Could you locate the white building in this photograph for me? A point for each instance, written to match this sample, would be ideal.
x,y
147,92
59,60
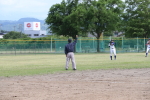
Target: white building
x,y
1,35
33,30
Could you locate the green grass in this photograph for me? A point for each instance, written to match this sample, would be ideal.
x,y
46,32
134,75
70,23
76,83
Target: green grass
x,y
22,65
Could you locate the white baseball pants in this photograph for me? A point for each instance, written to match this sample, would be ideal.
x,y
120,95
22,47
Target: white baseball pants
x,y
112,51
148,48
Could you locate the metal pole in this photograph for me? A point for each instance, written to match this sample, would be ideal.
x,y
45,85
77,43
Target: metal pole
x,y
14,28
0,27
110,38
93,43
51,44
80,45
35,47
122,42
15,48
137,44
20,27
144,43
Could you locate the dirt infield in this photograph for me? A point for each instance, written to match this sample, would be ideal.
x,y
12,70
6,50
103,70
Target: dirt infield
x,y
132,84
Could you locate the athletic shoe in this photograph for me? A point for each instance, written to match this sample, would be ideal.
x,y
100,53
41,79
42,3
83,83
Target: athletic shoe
x,y
66,68
74,69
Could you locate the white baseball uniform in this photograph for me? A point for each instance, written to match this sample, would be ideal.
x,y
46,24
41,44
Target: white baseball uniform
x,y
112,49
148,48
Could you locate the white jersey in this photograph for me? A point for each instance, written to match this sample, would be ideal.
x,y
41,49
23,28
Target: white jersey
x,y
111,45
148,44
148,47
112,48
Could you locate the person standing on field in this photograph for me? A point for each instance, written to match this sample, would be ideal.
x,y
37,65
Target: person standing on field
x,y
112,49
148,47
69,51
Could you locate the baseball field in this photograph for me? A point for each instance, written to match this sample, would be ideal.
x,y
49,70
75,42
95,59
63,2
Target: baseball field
x,y
43,77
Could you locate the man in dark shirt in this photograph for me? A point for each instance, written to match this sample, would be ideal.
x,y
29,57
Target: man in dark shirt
x,y
69,51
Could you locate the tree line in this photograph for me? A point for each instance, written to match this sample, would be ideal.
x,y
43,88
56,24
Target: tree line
x,y
72,17
98,17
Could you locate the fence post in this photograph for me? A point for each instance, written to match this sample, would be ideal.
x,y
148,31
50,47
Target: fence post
x,y
122,42
15,48
51,44
93,43
144,43
35,47
80,45
110,38
137,45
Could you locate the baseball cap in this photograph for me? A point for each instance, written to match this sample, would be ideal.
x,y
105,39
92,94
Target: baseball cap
x,y
69,40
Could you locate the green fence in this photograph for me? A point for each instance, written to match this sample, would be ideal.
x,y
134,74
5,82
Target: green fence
x,y
82,46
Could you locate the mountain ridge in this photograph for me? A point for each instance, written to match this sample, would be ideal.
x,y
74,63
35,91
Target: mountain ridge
x,y
21,20
8,25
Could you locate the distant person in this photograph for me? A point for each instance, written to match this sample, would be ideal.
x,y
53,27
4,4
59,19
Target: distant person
x,y
112,49
69,51
148,47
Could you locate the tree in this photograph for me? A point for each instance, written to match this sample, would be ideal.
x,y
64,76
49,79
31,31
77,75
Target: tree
x,y
136,18
14,35
62,18
102,16
90,16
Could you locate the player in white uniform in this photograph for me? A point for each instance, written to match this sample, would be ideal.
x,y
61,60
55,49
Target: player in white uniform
x,y
112,49
148,47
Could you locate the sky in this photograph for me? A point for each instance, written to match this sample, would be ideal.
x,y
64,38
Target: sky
x,y
16,9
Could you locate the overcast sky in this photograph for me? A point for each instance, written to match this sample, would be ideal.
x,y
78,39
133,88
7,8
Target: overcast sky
x,y
16,9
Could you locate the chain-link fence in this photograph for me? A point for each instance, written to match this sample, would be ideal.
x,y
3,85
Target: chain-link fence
x,y
82,46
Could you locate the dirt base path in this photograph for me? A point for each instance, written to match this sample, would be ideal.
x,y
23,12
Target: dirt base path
x,y
133,84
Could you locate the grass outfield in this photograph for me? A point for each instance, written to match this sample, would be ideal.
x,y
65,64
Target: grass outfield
x,y
22,65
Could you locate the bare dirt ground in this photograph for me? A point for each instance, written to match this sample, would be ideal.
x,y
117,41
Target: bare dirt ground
x,y
131,84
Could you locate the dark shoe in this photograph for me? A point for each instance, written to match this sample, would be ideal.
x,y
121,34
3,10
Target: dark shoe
x,y
74,69
115,57
66,68
145,56
110,57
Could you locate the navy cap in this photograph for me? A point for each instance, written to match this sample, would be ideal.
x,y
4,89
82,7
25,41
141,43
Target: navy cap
x,y
69,40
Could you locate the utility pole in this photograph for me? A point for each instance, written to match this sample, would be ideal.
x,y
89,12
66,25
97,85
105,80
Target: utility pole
x,y
14,28
20,27
0,27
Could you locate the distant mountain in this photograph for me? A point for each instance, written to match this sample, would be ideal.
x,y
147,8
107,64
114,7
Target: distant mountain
x,y
30,20
9,25
21,20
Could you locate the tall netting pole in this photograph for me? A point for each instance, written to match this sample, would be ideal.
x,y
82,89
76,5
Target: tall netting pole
x,y
80,45
51,44
137,44
93,43
122,42
110,38
144,43
15,47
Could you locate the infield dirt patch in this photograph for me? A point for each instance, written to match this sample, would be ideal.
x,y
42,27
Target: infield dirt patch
x,y
131,84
